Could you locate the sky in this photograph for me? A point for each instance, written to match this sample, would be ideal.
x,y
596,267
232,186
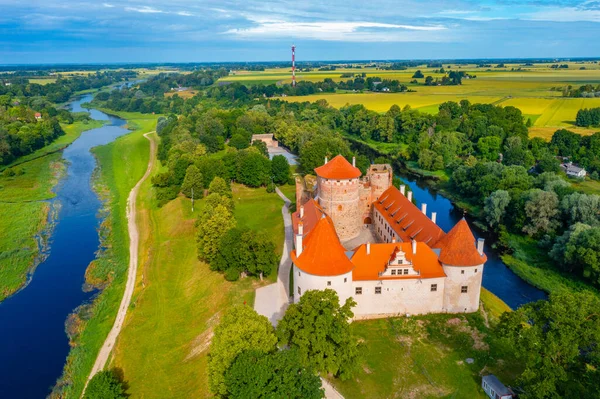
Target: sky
x,y
110,31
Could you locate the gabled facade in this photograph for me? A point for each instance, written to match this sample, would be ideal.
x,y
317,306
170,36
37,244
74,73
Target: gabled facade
x,y
416,268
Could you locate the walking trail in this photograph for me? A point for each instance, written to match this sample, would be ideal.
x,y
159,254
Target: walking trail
x,y
132,271
273,300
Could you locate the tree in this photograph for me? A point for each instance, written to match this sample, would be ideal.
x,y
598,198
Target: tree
x,y
105,385
318,327
418,74
253,169
262,147
239,330
541,210
495,206
489,147
578,251
516,154
256,374
212,224
258,253
192,181
280,169
558,341
580,207
314,151
239,141
220,186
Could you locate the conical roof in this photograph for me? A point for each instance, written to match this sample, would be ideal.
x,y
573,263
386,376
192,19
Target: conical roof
x,y
323,254
338,168
457,248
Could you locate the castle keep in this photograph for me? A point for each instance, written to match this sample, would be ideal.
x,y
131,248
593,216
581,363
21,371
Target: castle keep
x,y
409,266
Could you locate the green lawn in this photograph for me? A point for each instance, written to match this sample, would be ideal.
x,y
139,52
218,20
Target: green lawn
x,y
289,190
178,299
588,186
121,164
424,356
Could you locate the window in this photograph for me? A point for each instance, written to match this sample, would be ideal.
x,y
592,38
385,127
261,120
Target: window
x,y
464,289
299,291
339,208
433,287
378,290
393,272
329,283
475,270
298,274
405,271
462,272
345,279
358,290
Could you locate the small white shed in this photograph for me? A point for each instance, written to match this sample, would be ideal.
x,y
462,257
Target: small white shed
x,y
495,389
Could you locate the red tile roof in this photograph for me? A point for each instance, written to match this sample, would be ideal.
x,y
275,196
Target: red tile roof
x,y
406,219
368,267
338,168
312,213
458,248
322,254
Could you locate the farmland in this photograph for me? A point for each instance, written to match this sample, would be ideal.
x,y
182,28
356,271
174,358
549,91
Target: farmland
x,y
534,89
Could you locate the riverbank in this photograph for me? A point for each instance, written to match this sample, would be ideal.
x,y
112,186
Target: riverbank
x,y
120,165
522,254
27,187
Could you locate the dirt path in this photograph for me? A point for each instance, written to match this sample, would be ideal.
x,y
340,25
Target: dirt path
x,y
132,271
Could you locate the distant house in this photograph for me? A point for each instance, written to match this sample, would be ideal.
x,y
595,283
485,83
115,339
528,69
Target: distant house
x,y
7,84
495,389
386,89
573,170
266,138
38,116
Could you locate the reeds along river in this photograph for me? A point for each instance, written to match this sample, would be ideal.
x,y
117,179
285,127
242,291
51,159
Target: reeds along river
x,y
33,342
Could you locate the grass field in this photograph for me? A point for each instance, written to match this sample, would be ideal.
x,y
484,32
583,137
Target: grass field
x,y
121,164
177,301
424,356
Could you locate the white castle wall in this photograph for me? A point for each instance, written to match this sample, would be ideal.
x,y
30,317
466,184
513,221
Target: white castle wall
x,y
398,297
456,301
303,282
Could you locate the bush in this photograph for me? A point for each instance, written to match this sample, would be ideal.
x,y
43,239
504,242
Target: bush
x,y
105,385
232,274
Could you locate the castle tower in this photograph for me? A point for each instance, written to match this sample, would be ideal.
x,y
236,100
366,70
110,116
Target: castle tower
x,y
380,177
462,261
338,194
320,261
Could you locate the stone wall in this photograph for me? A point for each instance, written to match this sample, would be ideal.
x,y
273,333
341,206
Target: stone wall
x,y
340,199
456,301
398,297
380,177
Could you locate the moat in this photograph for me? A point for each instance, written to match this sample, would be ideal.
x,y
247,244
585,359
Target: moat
x,y
32,322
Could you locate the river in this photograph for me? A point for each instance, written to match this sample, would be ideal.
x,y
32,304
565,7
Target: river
x,y
34,344
497,277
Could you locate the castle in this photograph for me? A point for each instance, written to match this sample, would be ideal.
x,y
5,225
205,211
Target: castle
x,y
406,265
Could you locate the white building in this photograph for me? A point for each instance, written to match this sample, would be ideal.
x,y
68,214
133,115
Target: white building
x,y
415,269
573,170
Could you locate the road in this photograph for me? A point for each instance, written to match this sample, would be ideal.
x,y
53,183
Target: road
x,y
109,343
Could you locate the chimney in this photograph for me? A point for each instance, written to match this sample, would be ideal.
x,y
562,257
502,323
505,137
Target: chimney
x,y
354,161
409,196
394,239
414,247
301,211
325,159
480,242
368,248
299,239
434,217
424,209
402,189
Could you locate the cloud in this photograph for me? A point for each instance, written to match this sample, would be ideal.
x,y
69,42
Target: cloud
x,y
144,10
565,14
334,30
108,5
184,13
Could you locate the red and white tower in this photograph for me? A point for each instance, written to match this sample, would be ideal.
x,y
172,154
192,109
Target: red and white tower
x,y
293,66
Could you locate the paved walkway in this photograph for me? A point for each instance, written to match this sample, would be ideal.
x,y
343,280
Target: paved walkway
x,y
272,300
109,343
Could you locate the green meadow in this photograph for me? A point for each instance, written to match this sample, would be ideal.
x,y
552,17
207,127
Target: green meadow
x,y
24,207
